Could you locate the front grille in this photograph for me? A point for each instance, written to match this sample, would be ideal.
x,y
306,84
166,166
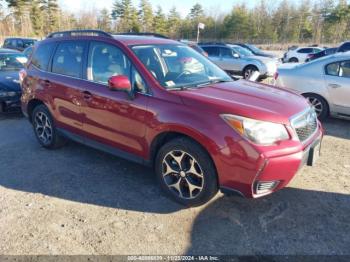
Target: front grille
x,y
305,124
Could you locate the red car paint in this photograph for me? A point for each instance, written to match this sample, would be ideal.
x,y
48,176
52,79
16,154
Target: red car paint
x,y
133,126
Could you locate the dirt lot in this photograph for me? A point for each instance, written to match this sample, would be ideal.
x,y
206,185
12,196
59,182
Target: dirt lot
x,y
77,200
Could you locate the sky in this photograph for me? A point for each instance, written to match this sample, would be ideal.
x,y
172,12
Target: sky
x,y
183,6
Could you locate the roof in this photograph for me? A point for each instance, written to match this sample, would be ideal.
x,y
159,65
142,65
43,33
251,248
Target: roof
x,y
7,51
142,40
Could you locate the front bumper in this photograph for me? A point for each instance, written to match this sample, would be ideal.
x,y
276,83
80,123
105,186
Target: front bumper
x,y
242,169
12,103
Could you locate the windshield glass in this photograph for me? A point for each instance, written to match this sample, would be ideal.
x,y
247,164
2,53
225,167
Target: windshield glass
x,y
179,66
254,48
9,62
242,51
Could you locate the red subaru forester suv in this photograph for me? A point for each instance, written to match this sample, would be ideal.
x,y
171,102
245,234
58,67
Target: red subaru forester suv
x,y
158,102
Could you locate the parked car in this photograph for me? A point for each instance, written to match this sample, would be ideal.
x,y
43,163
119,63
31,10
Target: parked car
x,y
11,62
255,50
18,43
28,51
325,82
325,52
344,47
160,103
300,54
237,60
195,46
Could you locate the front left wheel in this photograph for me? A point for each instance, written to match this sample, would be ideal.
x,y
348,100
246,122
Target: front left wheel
x,y
186,172
249,71
44,128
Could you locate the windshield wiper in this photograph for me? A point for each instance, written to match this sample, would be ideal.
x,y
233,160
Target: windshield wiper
x,y
213,82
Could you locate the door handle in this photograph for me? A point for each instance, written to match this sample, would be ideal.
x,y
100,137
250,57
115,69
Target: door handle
x,y
334,85
87,95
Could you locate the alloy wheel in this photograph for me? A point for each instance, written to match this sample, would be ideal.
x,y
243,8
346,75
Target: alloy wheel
x,y
316,104
43,127
182,174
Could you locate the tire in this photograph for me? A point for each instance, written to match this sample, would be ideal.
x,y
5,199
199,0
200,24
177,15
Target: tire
x,y
249,70
320,105
186,173
45,130
293,60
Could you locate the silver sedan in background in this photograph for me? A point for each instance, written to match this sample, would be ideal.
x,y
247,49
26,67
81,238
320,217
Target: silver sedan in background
x,y
325,82
237,60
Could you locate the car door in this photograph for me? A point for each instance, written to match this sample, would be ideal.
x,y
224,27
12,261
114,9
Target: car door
x,y
65,84
228,61
337,77
113,119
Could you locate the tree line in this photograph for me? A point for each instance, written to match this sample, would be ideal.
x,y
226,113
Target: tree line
x,y
318,21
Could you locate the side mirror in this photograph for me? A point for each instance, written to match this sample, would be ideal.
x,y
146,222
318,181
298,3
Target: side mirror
x,y
119,83
236,55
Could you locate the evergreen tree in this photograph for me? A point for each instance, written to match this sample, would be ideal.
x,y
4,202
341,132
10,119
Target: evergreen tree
x,y
104,20
146,16
160,21
173,23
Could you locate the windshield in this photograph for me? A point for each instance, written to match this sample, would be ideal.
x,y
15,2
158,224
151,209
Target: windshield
x,y
242,51
11,62
179,66
254,48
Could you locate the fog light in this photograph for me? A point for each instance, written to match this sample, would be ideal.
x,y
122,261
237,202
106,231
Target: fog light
x,y
263,187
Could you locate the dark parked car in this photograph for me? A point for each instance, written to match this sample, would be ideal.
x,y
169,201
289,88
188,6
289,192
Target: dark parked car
x,y
159,102
326,52
18,43
11,62
344,47
255,50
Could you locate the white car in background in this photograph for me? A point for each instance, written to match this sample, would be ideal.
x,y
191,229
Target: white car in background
x,y
325,82
300,54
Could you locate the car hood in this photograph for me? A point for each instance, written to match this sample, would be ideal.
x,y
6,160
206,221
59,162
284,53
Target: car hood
x,y
262,59
9,81
248,99
265,55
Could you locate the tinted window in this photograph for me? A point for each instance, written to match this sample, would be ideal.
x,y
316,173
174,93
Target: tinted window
x,y
305,50
211,50
20,43
68,59
226,52
344,70
332,69
42,55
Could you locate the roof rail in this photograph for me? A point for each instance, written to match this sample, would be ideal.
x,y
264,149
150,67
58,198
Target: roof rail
x,y
79,33
144,34
213,43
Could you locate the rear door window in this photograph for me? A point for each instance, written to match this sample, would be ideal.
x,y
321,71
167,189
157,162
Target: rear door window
x,y
68,59
42,55
305,50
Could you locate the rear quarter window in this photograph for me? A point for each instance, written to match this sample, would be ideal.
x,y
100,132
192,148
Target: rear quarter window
x,y
42,55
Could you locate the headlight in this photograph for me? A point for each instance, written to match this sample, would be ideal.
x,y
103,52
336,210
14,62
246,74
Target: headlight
x,y
258,132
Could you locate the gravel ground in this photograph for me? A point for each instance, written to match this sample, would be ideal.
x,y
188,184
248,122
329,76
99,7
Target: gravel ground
x,y
77,200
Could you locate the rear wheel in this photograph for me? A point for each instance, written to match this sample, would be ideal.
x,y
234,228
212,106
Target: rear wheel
x,y
249,71
186,172
319,104
293,60
44,128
